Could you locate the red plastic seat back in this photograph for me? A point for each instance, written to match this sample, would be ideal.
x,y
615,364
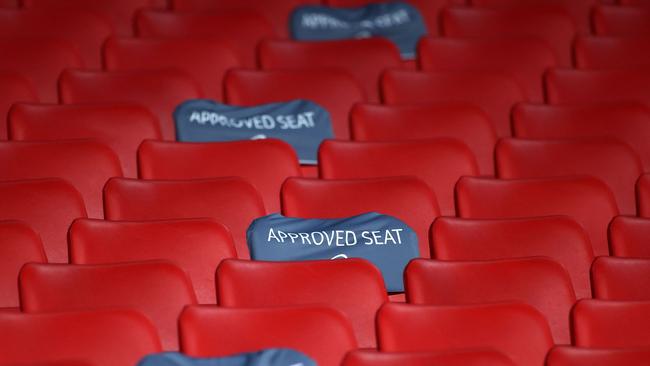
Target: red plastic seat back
x,y
277,12
612,53
525,59
365,59
245,29
587,200
556,237
321,333
494,93
611,161
158,290
48,206
119,12
628,237
449,358
574,356
466,123
579,10
159,90
429,9
621,21
539,282
86,164
19,244
232,202
14,88
553,26
352,286
611,324
264,163
40,62
122,127
406,198
524,337
627,122
601,86
85,31
197,246
99,338
334,90
623,279
437,162
206,61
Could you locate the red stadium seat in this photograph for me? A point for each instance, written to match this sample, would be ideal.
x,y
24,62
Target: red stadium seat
x,y
574,356
611,324
437,162
232,202
158,290
623,279
321,333
612,53
264,163
48,206
277,12
334,90
364,59
240,29
611,161
493,92
407,198
40,62
557,237
643,195
540,282
449,358
119,12
122,127
98,338
14,88
587,200
160,91
465,123
85,31
352,286
580,10
522,58
628,122
84,163
206,61
553,26
628,237
601,86
429,9
621,21
197,246
516,330
19,244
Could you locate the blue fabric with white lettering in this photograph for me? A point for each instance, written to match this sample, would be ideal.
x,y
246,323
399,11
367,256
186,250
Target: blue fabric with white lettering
x,y
301,123
269,357
400,22
383,240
